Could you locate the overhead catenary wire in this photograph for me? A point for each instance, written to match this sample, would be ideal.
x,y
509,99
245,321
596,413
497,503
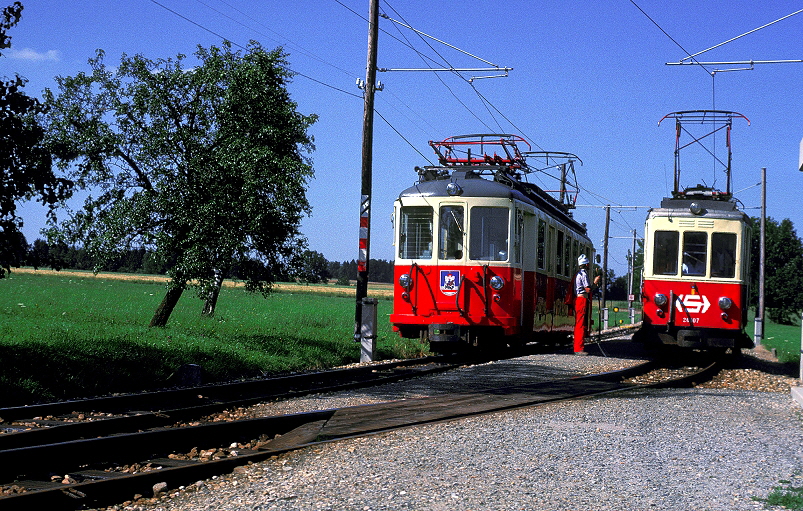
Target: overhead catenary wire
x,y
490,108
493,111
234,43
444,60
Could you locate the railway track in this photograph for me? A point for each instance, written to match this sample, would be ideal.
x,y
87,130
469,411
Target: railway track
x,y
75,419
85,418
93,472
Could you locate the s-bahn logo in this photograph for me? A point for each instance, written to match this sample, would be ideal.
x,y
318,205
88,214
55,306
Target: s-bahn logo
x,y
450,282
694,304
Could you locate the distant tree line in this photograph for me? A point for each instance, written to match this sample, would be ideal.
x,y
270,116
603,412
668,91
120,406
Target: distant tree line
x,y
311,268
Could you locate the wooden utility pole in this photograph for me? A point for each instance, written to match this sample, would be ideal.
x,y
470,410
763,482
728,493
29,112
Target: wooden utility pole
x,y
369,88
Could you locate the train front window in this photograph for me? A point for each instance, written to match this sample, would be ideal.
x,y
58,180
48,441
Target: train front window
x,y
665,255
695,253
450,239
723,255
415,232
488,237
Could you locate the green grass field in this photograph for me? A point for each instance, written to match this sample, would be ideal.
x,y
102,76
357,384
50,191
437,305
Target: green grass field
x,y
65,336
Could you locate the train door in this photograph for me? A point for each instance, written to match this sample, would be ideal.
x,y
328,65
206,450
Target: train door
x,y
528,244
541,262
552,261
451,251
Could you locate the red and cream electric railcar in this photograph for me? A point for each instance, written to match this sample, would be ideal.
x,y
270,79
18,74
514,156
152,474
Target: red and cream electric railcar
x,y
697,260
484,258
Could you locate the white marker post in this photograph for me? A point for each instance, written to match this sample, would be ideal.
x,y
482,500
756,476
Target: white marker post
x,y
368,330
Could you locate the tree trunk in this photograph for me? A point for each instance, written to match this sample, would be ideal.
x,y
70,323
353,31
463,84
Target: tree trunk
x,y
165,308
211,297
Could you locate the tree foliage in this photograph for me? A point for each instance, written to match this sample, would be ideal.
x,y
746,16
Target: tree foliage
x,y
312,268
25,166
203,165
783,269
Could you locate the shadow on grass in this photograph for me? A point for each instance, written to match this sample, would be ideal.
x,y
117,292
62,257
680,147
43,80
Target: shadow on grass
x,y
69,369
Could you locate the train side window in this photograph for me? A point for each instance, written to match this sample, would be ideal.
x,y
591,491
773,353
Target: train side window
x,y
488,239
665,253
415,233
541,256
550,248
723,255
450,239
519,236
567,261
695,252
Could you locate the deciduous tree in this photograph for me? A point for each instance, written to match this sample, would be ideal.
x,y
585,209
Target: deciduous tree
x,y
25,166
783,269
203,165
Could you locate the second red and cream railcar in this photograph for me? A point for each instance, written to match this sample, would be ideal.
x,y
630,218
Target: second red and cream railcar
x,y
695,292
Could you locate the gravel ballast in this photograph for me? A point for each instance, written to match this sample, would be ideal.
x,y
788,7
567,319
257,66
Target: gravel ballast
x,y
673,449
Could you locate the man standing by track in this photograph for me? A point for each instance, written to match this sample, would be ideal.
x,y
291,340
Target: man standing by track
x,y
582,304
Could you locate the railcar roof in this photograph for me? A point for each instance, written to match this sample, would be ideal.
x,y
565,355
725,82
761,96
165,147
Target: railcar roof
x,y
473,184
710,208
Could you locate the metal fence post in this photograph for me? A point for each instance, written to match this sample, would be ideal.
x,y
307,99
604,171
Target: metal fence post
x,y
368,330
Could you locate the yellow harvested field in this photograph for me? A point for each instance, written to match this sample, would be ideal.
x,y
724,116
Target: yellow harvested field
x,y
378,290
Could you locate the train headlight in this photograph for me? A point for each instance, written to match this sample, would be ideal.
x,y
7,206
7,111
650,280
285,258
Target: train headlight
x,y
497,282
660,299
406,281
725,303
454,189
695,208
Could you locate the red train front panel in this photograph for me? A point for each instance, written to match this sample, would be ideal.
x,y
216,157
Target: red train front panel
x,y
687,304
504,298
489,296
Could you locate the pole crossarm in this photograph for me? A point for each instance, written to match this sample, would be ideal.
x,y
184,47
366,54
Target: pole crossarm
x,y
437,40
452,69
734,62
691,57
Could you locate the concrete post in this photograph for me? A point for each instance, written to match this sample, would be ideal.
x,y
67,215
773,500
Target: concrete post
x,y
605,318
758,330
368,330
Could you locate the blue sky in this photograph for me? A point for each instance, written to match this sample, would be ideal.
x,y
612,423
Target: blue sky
x,y
588,78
